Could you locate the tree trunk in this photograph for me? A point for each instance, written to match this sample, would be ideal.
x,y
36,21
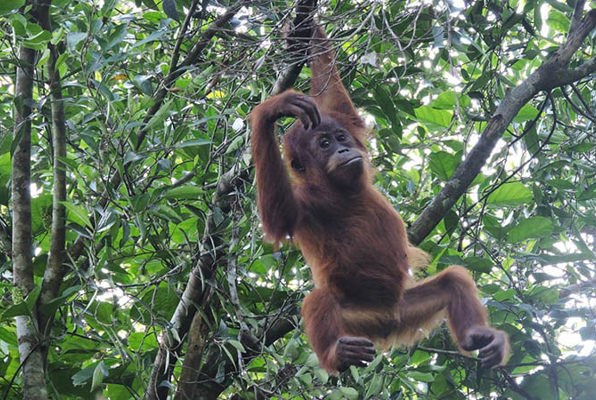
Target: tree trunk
x,y
30,351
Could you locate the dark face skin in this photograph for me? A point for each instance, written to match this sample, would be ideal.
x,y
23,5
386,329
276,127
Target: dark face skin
x,y
334,148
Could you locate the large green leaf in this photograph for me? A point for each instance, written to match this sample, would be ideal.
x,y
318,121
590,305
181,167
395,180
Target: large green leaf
x,y
533,227
510,194
434,117
7,6
443,164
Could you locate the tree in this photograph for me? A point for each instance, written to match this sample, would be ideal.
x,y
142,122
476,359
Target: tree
x,y
132,263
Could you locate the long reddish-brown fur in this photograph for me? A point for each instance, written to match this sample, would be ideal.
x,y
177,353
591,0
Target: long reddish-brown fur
x,y
353,239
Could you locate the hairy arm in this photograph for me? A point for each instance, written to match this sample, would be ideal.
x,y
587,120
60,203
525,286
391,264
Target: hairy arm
x,y
276,202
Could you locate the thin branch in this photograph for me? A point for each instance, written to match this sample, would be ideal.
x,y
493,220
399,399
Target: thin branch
x,y
181,35
577,15
516,388
5,238
574,289
587,112
193,57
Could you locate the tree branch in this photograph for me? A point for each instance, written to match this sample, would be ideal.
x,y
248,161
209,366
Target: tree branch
x,y
573,289
30,354
298,39
194,293
193,57
78,247
197,288
5,238
552,73
56,268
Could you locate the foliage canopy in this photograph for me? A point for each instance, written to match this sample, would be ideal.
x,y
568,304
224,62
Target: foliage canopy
x,y
159,193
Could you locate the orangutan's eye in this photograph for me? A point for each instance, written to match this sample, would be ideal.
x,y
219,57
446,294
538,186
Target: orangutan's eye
x,y
324,143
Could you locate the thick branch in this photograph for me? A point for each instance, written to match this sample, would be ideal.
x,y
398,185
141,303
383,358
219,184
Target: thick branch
x,y
209,388
287,78
188,380
195,291
56,268
298,40
552,73
30,353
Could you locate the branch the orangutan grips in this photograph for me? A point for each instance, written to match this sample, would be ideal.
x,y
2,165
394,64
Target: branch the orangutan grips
x,y
350,235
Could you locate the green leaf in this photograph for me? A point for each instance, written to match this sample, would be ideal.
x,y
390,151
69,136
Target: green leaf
x,y
561,184
348,393
406,106
510,194
15,311
131,156
546,295
19,24
431,116
167,212
539,385
39,41
116,37
527,113
386,103
154,36
449,99
193,143
143,83
103,312
186,192
421,376
99,373
78,214
83,376
41,212
141,341
588,194
53,305
237,345
504,295
443,164
161,301
108,7
565,258
533,227
479,264
169,7
583,147
451,221
160,115
8,335
7,6
32,297
5,171
558,21
73,39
